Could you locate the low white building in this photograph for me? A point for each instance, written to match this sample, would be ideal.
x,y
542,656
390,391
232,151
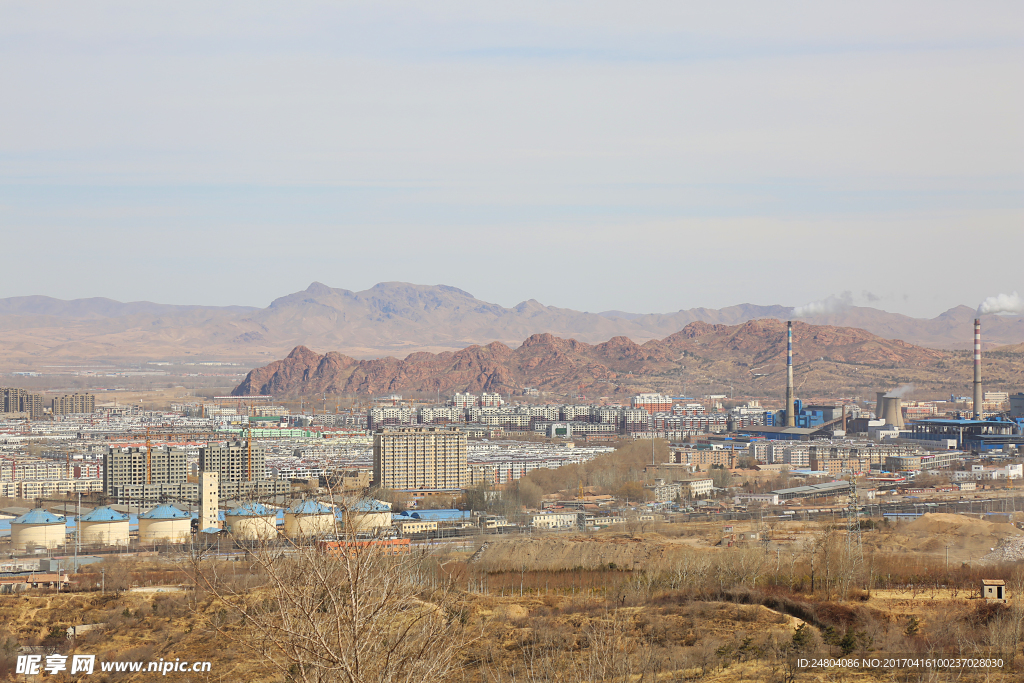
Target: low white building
x,y
983,473
766,498
665,492
553,520
698,488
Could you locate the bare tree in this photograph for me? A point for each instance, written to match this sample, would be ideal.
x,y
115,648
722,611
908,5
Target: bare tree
x,y
341,610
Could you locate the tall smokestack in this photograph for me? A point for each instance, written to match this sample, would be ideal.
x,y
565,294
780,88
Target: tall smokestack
x,y
790,408
977,369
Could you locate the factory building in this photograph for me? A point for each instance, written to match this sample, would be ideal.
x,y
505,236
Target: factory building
x,y
970,435
1017,405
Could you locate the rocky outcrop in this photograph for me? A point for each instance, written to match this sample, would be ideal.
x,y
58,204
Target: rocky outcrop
x,y
617,365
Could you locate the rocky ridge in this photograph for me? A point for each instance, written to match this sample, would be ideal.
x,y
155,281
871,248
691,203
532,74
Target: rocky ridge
x,y
749,357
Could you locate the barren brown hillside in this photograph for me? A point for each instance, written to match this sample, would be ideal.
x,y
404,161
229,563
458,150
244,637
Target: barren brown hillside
x,y
746,359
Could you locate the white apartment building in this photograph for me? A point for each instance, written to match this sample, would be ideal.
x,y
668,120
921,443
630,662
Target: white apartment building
x,y
699,488
982,473
553,520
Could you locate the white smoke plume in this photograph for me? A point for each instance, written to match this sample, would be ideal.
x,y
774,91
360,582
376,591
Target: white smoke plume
x,y
1002,303
900,392
832,304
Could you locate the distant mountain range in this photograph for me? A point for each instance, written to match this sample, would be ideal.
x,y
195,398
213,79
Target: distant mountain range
x,y
748,359
396,318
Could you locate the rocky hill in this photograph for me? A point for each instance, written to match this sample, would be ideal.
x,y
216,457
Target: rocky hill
x,y
700,358
395,318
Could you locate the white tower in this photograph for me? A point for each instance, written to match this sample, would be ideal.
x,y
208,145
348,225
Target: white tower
x,y
209,500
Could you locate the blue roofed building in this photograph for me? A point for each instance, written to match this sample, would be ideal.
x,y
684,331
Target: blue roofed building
x,y
970,435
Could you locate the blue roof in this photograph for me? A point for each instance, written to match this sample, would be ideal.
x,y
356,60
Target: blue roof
x,y
439,515
164,511
960,423
310,507
371,505
251,510
104,514
38,516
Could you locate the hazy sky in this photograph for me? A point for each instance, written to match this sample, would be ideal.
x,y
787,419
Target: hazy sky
x,y
593,155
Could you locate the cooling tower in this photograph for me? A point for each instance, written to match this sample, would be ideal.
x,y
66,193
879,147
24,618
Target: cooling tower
x,y
977,369
892,411
879,404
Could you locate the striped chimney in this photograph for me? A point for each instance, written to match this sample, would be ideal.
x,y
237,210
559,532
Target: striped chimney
x,y
977,369
790,405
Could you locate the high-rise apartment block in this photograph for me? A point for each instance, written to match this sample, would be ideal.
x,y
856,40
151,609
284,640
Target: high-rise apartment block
x,y
74,404
14,400
132,467
234,461
411,458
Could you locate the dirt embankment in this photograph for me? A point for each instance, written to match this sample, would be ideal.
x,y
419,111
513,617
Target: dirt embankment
x,y
564,553
966,537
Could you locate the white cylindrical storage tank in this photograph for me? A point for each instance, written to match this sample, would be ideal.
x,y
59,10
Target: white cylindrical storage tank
x,y
367,515
309,518
38,528
251,522
165,523
104,526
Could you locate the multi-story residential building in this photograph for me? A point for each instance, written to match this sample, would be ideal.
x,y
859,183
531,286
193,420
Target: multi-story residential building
x,y
689,409
635,420
836,466
697,488
464,401
234,461
664,492
490,400
132,466
483,473
75,404
441,415
606,415
15,400
652,403
389,415
52,487
408,458
704,459
236,490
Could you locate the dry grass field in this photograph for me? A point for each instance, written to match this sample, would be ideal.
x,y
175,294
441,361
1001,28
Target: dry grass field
x,y
665,605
